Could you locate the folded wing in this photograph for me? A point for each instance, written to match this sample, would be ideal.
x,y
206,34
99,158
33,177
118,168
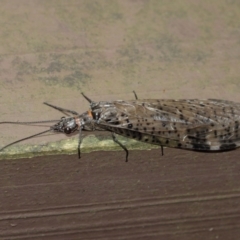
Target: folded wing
x,y
191,124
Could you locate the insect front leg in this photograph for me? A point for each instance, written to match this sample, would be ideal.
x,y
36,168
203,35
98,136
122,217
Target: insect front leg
x,y
120,144
79,142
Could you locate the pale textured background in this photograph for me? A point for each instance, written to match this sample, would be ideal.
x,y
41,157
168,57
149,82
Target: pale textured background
x,y
51,50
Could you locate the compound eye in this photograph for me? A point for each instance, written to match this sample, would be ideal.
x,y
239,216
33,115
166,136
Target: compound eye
x,y
67,130
70,126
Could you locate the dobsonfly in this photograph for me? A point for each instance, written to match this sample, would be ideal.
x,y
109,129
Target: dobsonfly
x,y
192,124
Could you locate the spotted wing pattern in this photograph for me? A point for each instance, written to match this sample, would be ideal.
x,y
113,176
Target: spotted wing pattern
x,y
207,125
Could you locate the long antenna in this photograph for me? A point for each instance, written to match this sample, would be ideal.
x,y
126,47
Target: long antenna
x,y
26,123
20,140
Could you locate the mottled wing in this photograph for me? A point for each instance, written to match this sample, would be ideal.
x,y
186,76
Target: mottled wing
x,y
192,124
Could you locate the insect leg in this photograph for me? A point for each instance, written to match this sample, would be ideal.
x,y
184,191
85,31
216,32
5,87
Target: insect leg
x,y
61,109
162,149
136,97
121,145
87,98
79,142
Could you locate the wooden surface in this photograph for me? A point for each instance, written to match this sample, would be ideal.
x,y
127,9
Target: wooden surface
x,y
181,195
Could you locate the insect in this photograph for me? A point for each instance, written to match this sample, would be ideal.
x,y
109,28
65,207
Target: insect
x,y
202,125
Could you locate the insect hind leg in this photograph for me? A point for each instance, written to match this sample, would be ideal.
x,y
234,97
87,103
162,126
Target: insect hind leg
x,y
61,109
162,149
121,145
135,95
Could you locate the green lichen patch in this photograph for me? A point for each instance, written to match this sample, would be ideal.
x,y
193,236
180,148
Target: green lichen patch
x,y
69,146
